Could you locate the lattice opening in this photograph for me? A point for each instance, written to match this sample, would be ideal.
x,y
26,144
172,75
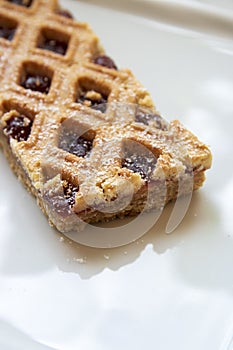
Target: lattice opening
x,y
18,122
54,41
139,159
7,28
76,139
146,117
25,3
90,94
36,78
64,13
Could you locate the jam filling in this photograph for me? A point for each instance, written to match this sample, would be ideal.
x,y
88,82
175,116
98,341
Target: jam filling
x,y
7,33
37,83
25,3
79,146
64,13
146,117
59,47
70,192
18,128
105,61
141,164
94,100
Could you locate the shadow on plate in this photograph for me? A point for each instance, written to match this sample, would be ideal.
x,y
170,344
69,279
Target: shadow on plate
x,y
196,246
199,240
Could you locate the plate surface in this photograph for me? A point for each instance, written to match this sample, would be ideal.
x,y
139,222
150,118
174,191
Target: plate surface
x,y
163,291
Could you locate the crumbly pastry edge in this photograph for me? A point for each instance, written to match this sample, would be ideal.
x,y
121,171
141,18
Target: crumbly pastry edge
x,y
77,221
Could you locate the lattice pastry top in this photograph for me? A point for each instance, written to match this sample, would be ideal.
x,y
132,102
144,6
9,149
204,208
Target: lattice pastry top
x,y
83,135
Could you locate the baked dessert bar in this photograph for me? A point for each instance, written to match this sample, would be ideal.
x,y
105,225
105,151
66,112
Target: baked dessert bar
x,y
82,135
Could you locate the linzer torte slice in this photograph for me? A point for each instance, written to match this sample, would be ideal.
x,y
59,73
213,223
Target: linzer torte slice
x,y
82,135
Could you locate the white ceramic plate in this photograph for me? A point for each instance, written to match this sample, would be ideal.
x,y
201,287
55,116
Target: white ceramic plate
x,y
164,291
